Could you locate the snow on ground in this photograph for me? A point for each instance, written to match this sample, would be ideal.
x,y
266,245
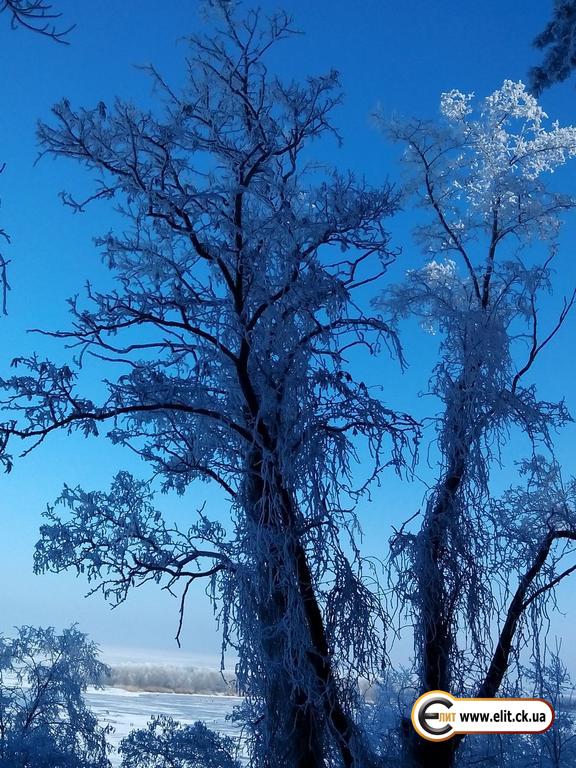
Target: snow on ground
x,y
126,710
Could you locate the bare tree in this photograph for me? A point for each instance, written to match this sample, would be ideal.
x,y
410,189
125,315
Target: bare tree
x,y
37,16
474,565
229,330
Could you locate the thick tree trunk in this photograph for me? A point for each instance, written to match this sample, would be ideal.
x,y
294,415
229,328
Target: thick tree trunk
x,y
298,721
291,728
428,754
293,733
298,724
436,617
353,751
438,579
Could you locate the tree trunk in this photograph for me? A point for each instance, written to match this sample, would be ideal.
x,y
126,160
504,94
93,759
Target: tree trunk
x,y
436,619
353,750
299,723
420,753
292,732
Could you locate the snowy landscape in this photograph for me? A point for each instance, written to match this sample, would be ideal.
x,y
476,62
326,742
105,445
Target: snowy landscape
x,y
127,710
288,301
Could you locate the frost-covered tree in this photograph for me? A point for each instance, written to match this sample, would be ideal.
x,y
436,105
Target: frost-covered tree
x,y
165,743
44,721
558,41
479,567
386,713
547,677
226,339
551,681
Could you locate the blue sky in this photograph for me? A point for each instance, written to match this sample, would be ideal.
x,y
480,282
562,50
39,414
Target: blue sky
x,y
395,56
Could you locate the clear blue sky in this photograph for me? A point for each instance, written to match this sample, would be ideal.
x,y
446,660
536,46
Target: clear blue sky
x,y
399,55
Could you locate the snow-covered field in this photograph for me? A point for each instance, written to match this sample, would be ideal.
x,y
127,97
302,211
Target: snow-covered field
x,y
126,710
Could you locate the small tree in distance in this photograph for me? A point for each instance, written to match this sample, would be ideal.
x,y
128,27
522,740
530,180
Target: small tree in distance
x,y
44,721
164,743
